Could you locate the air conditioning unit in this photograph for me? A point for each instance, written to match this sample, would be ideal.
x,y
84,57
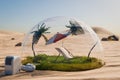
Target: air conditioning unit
x,y
12,65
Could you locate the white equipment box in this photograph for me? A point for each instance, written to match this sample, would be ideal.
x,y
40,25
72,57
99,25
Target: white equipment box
x,y
12,65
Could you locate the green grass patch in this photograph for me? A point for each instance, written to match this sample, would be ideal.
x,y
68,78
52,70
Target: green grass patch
x,y
45,62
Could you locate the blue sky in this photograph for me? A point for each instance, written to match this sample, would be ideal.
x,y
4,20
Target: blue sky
x,y
22,15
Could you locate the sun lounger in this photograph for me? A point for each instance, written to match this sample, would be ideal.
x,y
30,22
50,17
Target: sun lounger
x,y
67,55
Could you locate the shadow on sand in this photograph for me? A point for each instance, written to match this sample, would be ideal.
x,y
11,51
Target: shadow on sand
x,y
113,65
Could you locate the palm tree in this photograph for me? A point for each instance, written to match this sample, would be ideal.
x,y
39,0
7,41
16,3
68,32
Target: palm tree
x,y
75,28
37,35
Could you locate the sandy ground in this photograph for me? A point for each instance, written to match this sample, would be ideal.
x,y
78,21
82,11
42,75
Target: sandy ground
x,y
111,56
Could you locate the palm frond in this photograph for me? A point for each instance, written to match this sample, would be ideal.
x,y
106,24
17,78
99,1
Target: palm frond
x,y
68,26
75,28
46,32
44,37
42,24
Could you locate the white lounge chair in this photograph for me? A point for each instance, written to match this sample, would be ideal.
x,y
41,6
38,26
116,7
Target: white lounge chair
x,y
67,55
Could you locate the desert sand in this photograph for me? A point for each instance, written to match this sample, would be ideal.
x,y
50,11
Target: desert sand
x,y
110,55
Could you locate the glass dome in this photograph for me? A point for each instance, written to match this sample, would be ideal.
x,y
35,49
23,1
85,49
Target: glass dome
x,y
70,33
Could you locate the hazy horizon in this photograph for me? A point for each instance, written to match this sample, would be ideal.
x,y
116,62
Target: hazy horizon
x,y
22,15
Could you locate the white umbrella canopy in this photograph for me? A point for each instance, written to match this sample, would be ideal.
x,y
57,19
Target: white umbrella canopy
x,y
79,40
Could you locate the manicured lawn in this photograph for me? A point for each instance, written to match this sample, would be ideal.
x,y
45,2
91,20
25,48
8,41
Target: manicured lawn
x,y
45,62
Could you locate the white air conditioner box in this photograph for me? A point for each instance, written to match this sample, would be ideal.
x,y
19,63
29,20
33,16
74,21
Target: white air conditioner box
x,y
12,65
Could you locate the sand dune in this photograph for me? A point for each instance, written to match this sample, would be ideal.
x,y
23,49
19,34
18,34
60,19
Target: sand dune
x,y
7,45
6,33
101,30
111,56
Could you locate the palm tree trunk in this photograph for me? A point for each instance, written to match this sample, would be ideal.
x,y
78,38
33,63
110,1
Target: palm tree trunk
x,y
33,49
92,49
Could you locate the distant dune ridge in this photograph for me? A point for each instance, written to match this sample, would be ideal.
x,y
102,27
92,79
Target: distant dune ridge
x,y
3,32
101,30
